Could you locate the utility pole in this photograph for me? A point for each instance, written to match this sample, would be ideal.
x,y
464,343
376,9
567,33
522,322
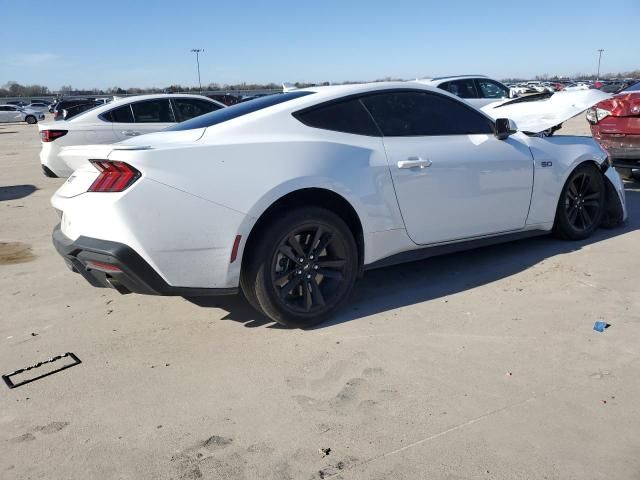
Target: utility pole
x,y
600,50
197,52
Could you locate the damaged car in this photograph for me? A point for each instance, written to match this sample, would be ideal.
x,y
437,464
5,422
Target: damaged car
x,y
615,124
291,197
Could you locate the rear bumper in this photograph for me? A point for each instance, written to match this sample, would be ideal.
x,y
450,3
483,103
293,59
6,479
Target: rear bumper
x,y
618,145
128,272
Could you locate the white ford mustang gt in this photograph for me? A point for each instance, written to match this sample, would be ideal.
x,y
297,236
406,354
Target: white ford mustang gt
x,y
290,197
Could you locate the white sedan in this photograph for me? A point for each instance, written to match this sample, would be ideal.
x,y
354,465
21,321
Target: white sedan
x,y
13,113
116,121
290,197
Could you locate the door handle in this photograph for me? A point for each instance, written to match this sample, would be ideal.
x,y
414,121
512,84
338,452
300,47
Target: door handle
x,y
131,133
413,162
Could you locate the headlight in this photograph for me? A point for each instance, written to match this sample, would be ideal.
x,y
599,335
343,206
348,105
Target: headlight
x,y
594,115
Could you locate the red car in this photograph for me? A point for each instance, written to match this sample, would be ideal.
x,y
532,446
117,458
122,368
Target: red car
x,y
615,124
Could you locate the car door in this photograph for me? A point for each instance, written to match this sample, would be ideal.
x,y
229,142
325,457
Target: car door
x,y
11,114
453,178
146,116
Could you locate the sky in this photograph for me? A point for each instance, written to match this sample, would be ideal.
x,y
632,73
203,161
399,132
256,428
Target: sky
x,y
90,44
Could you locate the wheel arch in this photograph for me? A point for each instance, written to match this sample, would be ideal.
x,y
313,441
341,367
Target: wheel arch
x,y
311,196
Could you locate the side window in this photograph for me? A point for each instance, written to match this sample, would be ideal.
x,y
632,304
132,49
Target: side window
x,y
187,108
491,89
12,109
404,114
349,116
461,88
153,111
4,109
120,115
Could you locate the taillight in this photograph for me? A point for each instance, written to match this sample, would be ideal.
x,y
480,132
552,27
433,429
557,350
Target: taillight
x,y
51,135
114,176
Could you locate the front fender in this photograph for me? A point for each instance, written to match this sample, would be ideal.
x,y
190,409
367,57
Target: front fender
x,y
554,160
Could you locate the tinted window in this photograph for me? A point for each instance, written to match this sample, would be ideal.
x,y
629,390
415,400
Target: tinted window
x,y
4,109
461,88
120,115
153,111
402,114
633,88
187,108
492,89
238,110
349,117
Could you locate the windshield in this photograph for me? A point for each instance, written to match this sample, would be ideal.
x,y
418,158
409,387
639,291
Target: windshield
x,y
238,110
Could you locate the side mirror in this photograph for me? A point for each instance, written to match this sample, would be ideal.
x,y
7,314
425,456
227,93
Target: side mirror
x,y
505,127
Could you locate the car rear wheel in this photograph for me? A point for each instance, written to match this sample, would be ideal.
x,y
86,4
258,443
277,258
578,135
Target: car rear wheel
x,y
30,119
582,204
304,267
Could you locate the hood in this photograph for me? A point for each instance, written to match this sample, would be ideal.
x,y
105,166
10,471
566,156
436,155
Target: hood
x,y
542,114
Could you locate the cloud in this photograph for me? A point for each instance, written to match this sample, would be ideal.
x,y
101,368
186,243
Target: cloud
x,y
32,59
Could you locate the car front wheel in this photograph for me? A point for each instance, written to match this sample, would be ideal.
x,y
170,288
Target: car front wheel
x,y
303,268
582,204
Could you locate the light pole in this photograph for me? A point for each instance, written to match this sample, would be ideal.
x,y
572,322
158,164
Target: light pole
x,y
197,52
600,50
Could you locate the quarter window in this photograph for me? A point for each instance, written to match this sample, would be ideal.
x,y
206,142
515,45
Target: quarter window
x,y
187,108
120,115
153,111
349,116
404,114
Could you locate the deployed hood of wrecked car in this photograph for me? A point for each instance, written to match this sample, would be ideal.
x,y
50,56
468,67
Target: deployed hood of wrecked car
x,y
538,115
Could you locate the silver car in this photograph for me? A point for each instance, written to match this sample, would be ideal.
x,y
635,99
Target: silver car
x,y
13,113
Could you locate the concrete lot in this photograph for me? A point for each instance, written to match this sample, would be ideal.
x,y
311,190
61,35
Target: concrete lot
x,y
479,365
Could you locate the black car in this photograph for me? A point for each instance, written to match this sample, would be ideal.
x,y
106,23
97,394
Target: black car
x,y
71,112
66,104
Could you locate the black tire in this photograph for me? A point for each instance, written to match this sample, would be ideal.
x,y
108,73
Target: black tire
x,y
582,204
302,268
30,119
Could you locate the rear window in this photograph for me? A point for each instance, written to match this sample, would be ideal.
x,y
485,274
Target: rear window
x,y
235,111
633,88
349,117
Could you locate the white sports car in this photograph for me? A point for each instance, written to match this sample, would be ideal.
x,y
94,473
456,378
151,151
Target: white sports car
x,y
290,197
119,120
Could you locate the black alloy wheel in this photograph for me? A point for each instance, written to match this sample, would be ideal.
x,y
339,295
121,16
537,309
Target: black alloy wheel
x,y
308,268
304,268
582,203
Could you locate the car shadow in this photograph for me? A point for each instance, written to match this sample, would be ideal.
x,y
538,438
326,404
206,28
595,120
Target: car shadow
x,y
15,192
392,287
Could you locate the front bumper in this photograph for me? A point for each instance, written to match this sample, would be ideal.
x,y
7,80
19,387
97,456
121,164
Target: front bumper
x,y
129,272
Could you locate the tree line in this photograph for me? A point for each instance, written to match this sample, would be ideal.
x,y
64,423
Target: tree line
x,y
14,89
